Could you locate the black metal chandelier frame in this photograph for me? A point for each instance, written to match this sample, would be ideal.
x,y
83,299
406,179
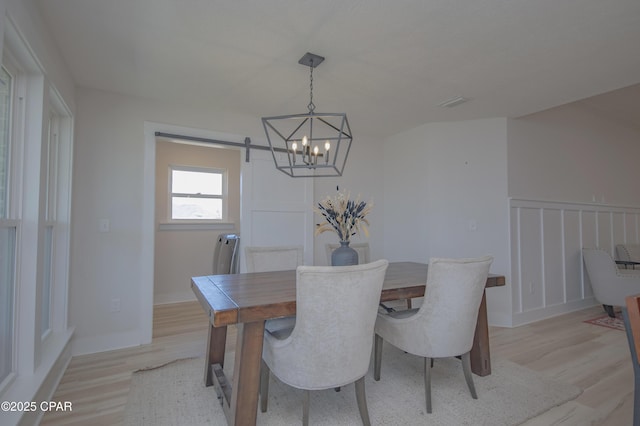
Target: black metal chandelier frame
x,y
316,144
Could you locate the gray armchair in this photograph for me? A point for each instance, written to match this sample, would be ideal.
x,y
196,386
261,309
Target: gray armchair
x,y
330,344
445,324
610,285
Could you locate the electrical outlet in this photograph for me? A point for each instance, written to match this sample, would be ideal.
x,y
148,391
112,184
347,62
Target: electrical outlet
x,y
115,305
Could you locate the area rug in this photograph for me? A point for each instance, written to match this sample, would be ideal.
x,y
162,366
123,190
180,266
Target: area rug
x,y
174,394
605,320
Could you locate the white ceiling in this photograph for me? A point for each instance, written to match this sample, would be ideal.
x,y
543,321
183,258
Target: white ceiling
x,y
388,63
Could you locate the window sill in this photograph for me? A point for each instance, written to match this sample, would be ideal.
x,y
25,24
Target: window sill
x,y
191,226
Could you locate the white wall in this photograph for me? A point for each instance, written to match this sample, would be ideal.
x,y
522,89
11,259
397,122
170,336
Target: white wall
x,y
573,177
547,273
109,177
570,153
445,192
109,184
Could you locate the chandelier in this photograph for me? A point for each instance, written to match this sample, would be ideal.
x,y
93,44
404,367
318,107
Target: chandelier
x,y
310,144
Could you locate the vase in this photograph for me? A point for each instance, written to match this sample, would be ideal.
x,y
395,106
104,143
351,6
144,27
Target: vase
x,y
344,255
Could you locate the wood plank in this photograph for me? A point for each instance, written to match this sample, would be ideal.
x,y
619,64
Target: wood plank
x,y
221,309
246,374
480,354
216,346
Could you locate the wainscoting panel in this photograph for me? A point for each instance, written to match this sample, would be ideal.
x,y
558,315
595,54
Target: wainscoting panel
x,y
547,275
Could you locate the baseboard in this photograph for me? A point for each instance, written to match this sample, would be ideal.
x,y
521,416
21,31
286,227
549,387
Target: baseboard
x,y
105,342
522,318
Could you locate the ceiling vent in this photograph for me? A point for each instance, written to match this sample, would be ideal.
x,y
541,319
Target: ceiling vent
x,y
450,103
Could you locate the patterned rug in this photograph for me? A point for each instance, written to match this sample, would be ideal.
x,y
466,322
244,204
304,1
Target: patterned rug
x,y
605,320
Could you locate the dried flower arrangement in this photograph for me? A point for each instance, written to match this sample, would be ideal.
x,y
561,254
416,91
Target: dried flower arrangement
x,y
344,216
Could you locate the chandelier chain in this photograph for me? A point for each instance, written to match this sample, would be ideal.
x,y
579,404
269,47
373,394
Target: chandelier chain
x,y
311,105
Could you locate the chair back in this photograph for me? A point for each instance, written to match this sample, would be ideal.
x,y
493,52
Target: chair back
x,y
361,248
331,342
610,285
277,258
628,252
225,254
602,272
445,324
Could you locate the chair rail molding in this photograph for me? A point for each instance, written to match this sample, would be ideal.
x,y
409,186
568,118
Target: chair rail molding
x,y
546,238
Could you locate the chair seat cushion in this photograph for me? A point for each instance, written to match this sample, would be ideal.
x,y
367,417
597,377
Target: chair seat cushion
x,y
280,328
404,313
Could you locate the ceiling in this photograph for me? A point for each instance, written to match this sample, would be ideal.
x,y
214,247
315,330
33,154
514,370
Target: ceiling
x,y
388,63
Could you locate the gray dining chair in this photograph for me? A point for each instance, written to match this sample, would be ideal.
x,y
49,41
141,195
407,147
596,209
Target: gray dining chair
x,y
445,323
363,257
610,284
331,341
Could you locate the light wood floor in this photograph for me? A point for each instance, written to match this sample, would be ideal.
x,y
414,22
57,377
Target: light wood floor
x,y
594,358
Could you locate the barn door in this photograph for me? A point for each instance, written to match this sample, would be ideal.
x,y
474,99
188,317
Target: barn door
x,y
276,209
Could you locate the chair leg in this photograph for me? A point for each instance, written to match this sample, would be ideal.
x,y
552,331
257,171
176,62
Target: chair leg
x,y
636,397
361,397
609,310
427,382
466,367
377,358
264,386
305,407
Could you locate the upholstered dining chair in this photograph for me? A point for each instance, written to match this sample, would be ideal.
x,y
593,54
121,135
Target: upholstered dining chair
x,y
610,284
445,323
363,257
275,258
330,344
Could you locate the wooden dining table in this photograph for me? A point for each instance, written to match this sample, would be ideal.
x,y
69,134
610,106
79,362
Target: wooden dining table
x,y
248,300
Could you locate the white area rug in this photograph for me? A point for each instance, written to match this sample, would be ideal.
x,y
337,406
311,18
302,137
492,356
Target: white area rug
x,y
174,394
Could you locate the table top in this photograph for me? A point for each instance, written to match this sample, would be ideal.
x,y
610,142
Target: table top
x,y
238,298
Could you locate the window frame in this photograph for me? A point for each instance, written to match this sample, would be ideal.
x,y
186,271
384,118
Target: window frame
x,y
10,217
224,196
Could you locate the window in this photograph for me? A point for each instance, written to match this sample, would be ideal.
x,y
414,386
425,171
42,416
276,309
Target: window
x,y
8,228
198,194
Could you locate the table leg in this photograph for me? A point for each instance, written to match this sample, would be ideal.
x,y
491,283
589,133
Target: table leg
x,y
216,341
480,358
243,407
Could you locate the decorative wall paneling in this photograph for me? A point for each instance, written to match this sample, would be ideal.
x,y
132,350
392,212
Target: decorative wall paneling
x,y
547,274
